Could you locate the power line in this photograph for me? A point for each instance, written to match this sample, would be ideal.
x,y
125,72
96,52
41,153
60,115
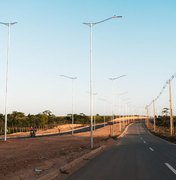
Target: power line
x,y
162,90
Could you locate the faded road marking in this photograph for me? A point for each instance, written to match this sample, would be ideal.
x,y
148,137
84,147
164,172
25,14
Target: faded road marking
x,y
151,149
171,168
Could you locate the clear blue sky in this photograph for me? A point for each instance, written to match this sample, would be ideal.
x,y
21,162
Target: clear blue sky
x,y
50,40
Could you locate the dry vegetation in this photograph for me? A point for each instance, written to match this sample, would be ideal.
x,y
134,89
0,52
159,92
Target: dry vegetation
x,y
161,131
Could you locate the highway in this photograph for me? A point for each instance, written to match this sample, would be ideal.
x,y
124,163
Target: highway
x,y
138,155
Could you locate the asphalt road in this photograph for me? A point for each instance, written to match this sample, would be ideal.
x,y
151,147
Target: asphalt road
x,y
139,155
79,130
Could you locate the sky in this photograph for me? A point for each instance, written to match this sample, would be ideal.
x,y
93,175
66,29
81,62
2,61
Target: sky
x,y
50,40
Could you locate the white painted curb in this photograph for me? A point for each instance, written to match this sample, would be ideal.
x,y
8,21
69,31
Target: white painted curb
x,y
126,129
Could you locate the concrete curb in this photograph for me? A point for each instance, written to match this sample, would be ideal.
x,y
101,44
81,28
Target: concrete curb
x,y
65,169
124,132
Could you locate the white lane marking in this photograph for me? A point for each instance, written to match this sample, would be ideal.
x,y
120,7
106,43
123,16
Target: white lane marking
x,y
151,149
171,168
144,142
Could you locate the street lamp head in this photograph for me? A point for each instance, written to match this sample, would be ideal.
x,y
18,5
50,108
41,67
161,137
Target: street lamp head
x,y
69,77
88,24
13,23
8,24
117,16
117,77
94,23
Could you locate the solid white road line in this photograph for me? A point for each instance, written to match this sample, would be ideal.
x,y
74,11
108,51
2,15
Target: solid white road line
x,y
151,149
171,168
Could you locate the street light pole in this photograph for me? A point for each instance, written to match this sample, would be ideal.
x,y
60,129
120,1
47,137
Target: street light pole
x,y
120,110
91,77
7,71
72,78
104,116
147,112
113,79
128,112
104,113
126,101
94,111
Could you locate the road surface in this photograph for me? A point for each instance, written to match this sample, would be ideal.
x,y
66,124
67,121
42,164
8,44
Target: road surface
x,y
139,155
78,130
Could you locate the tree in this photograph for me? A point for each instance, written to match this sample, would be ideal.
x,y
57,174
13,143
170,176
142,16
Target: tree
x,y
41,120
47,112
17,115
32,120
165,112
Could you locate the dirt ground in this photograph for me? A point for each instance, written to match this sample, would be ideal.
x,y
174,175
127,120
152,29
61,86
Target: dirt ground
x,y
33,158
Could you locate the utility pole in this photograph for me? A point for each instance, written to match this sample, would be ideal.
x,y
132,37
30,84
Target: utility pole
x,y
154,119
171,111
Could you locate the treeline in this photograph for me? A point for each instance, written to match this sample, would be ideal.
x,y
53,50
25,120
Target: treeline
x,y
164,121
46,119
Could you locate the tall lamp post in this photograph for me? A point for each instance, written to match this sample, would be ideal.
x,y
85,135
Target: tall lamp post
x,y
94,114
72,78
91,24
126,101
120,108
128,112
104,116
7,69
113,79
147,114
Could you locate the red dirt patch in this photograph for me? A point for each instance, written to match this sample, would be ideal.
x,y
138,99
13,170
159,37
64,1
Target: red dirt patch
x,y
35,157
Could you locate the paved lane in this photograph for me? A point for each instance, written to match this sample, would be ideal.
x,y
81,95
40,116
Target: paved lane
x,y
77,130
138,156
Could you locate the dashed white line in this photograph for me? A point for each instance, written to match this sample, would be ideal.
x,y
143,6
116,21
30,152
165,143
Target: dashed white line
x,y
144,142
151,149
171,168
